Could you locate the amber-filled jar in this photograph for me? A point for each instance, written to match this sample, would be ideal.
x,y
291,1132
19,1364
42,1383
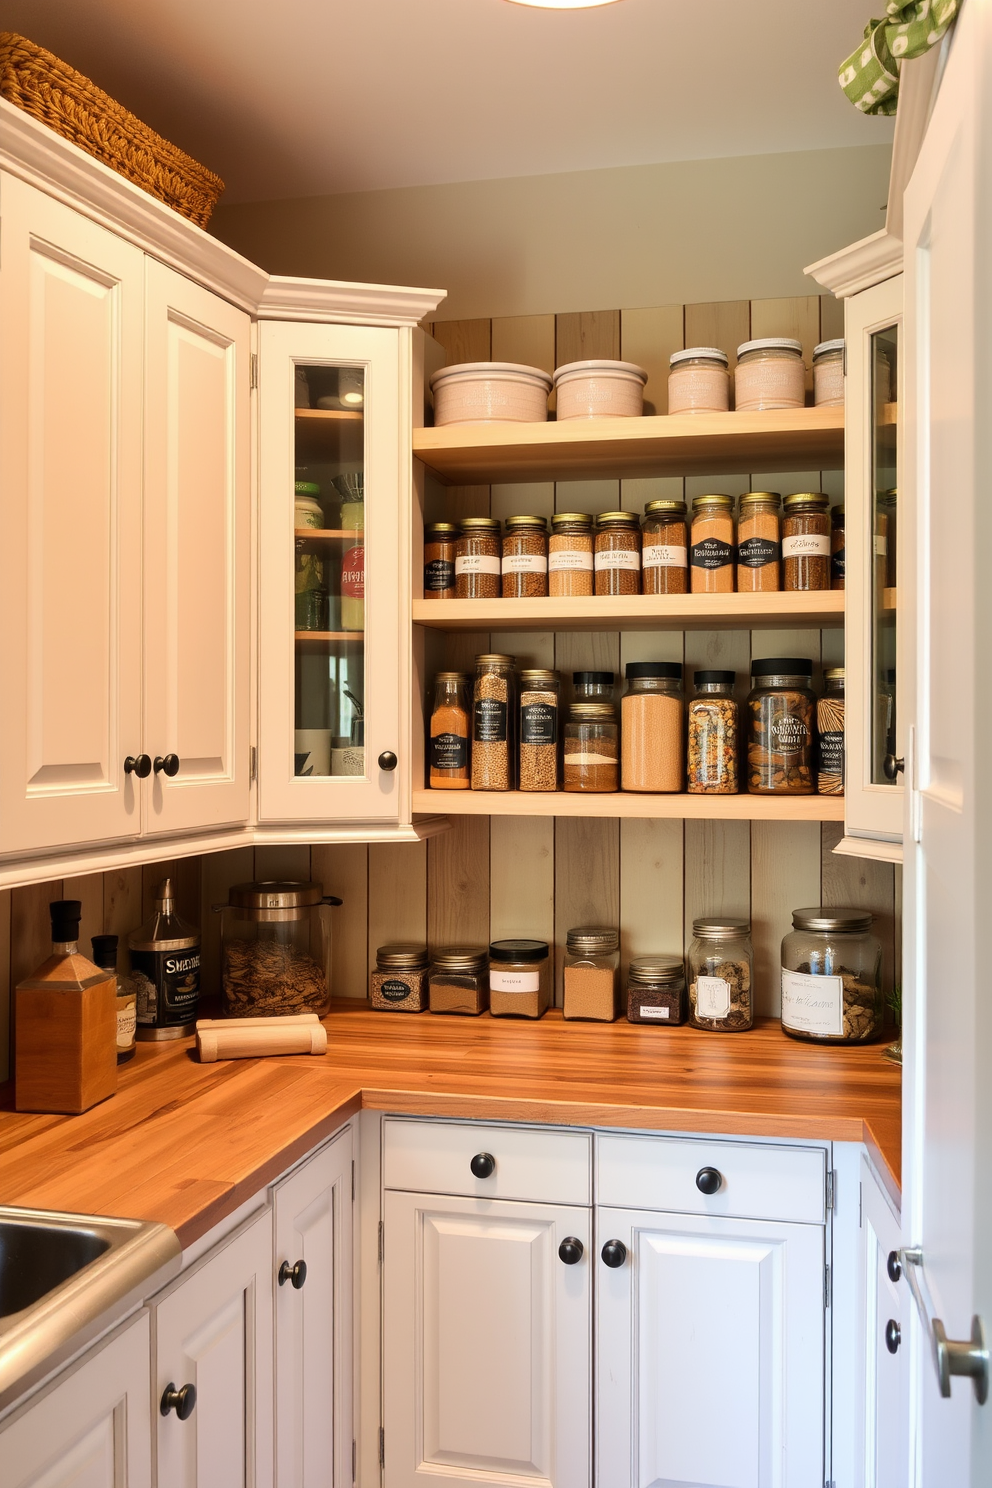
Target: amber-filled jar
x,y
838,564
478,565
591,755
525,558
806,541
440,542
451,726
712,552
665,548
570,556
759,549
618,553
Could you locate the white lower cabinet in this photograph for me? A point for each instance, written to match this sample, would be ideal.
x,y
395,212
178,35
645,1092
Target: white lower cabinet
x,y
886,1348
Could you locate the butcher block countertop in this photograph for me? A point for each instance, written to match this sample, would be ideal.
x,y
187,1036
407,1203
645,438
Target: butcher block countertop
x,y
187,1143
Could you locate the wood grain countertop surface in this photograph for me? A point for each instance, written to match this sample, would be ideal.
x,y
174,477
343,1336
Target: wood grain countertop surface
x,y
186,1143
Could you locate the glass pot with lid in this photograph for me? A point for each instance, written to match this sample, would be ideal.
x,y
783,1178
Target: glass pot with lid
x,y
276,949
831,977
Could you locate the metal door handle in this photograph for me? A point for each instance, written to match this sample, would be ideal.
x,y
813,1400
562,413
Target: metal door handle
x,y
296,1275
182,1401
138,764
166,765
968,1358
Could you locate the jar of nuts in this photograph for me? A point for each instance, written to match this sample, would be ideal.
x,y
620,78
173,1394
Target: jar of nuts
x,y
831,977
525,558
721,974
617,557
713,735
477,559
781,712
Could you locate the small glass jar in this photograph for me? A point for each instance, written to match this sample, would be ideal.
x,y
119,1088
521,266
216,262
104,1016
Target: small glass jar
x,y
309,578
617,556
828,374
781,712
759,548
519,978
275,949
886,506
665,548
830,734
838,564
713,736
478,563
592,965
458,981
770,374
721,975
440,546
831,977
451,722
593,687
712,552
806,541
525,558
493,723
540,694
699,380
652,719
570,556
399,982
592,747
656,990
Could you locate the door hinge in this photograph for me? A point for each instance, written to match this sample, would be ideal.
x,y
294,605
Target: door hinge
x,y
382,1446
354,1459
831,1187
253,371
381,1241
827,1288
352,1180
252,765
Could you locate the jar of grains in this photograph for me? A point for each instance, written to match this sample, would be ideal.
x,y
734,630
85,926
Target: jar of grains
x,y
770,374
525,558
450,723
828,374
477,559
592,687
617,557
721,975
831,977
758,547
540,693
806,541
399,982
656,990
590,761
651,716
713,735
664,548
712,552
493,723
519,978
837,553
458,981
570,555
592,964
699,380
781,727
440,543
830,734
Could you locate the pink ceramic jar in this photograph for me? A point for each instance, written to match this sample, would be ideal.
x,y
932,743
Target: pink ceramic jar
x,y
600,390
489,392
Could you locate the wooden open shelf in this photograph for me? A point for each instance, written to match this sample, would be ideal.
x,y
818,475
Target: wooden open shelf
x,y
629,804
329,534
329,434
608,448
329,637
816,610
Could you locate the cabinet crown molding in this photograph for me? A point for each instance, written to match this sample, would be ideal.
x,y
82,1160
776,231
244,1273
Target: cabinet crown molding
x,y
860,265
340,302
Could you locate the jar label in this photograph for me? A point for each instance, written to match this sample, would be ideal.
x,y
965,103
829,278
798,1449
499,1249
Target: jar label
x,y
618,558
712,552
489,721
127,1019
838,565
503,980
353,574
789,734
166,986
395,991
449,752
538,724
807,545
664,555
477,563
813,1004
712,997
832,752
439,574
570,560
756,552
881,546
525,563
654,1012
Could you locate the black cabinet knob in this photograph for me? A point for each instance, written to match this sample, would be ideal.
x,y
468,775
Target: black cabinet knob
x,y
893,1335
614,1253
181,1401
894,1265
296,1274
709,1180
483,1165
388,760
167,765
892,766
138,764
570,1250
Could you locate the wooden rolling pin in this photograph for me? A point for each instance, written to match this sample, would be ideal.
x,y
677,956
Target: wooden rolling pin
x,y
252,1038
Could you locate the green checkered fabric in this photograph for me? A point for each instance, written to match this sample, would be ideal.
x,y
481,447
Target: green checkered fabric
x,y
870,75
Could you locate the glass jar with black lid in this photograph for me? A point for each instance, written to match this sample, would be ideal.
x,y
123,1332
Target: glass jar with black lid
x,y
781,727
593,687
519,978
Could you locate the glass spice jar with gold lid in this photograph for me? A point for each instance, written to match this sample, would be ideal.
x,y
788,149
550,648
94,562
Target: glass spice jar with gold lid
x,y
570,556
525,558
617,557
711,555
665,548
806,541
399,982
478,560
759,549
459,980
440,544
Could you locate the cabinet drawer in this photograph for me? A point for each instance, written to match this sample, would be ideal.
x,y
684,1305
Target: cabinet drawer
x,y
756,1182
551,1167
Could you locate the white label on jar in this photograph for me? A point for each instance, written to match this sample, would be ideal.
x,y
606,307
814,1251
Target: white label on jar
x,y
476,563
570,560
813,1004
663,555
127,1019
881,546
712,997
525,563
501,980
809,545
618,558
650,1012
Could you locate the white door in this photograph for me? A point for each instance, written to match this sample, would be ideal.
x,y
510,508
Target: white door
x,y
92,1428
947,1210
314,1345
71,299
213,1368
197,556
710,1340
885,1347
486,1343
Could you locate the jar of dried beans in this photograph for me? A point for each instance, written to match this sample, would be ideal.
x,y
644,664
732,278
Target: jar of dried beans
x,y
838,565
781,712
712,553
769,374
519,978
758,547
399,982
828,374
699,381
570,555
721,975
540,692
713,735
451,719
617,557
592,964
458,981
831,977
591,753
806,541
664,548
651,716
478,563
830,734
656,990
525,558
493,723
440,544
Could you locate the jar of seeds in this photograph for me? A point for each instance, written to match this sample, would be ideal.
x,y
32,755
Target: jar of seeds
x,y
540,693
592,748
838,565
617,556
656,990
592,964
721,974
570,556
458,981
399,982
665,548
440,544
478,563
831,977
525,558
806,541
519,978
493,723
830,734
712,552
652,727
758,548
781,711
713,735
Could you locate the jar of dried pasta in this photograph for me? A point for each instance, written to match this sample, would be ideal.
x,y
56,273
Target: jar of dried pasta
x,y
617,557
759,548
440,545
831,976
781,711
591,757
664,548
770,374
806,541
525,558
828,374
711,555
458,981
493,723
712,735
838,564
570,556
591,967
478,564
699,380
399,982
540,693
830,734
721,974
519,978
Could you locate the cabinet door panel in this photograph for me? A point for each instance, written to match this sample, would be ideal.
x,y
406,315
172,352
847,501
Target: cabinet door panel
x,y
886,1433
70,554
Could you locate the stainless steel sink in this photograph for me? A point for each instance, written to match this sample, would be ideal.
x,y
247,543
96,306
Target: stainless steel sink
x,y
64,1279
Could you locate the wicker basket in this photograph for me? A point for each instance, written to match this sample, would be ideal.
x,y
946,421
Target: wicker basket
x,y
69,103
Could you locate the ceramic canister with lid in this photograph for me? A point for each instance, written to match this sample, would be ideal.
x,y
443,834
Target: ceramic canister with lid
x,y
828,374
699,380
831,976
519,978
599,389
490,392
770,374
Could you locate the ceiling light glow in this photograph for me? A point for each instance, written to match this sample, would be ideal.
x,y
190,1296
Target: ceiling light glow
x,y
563,4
